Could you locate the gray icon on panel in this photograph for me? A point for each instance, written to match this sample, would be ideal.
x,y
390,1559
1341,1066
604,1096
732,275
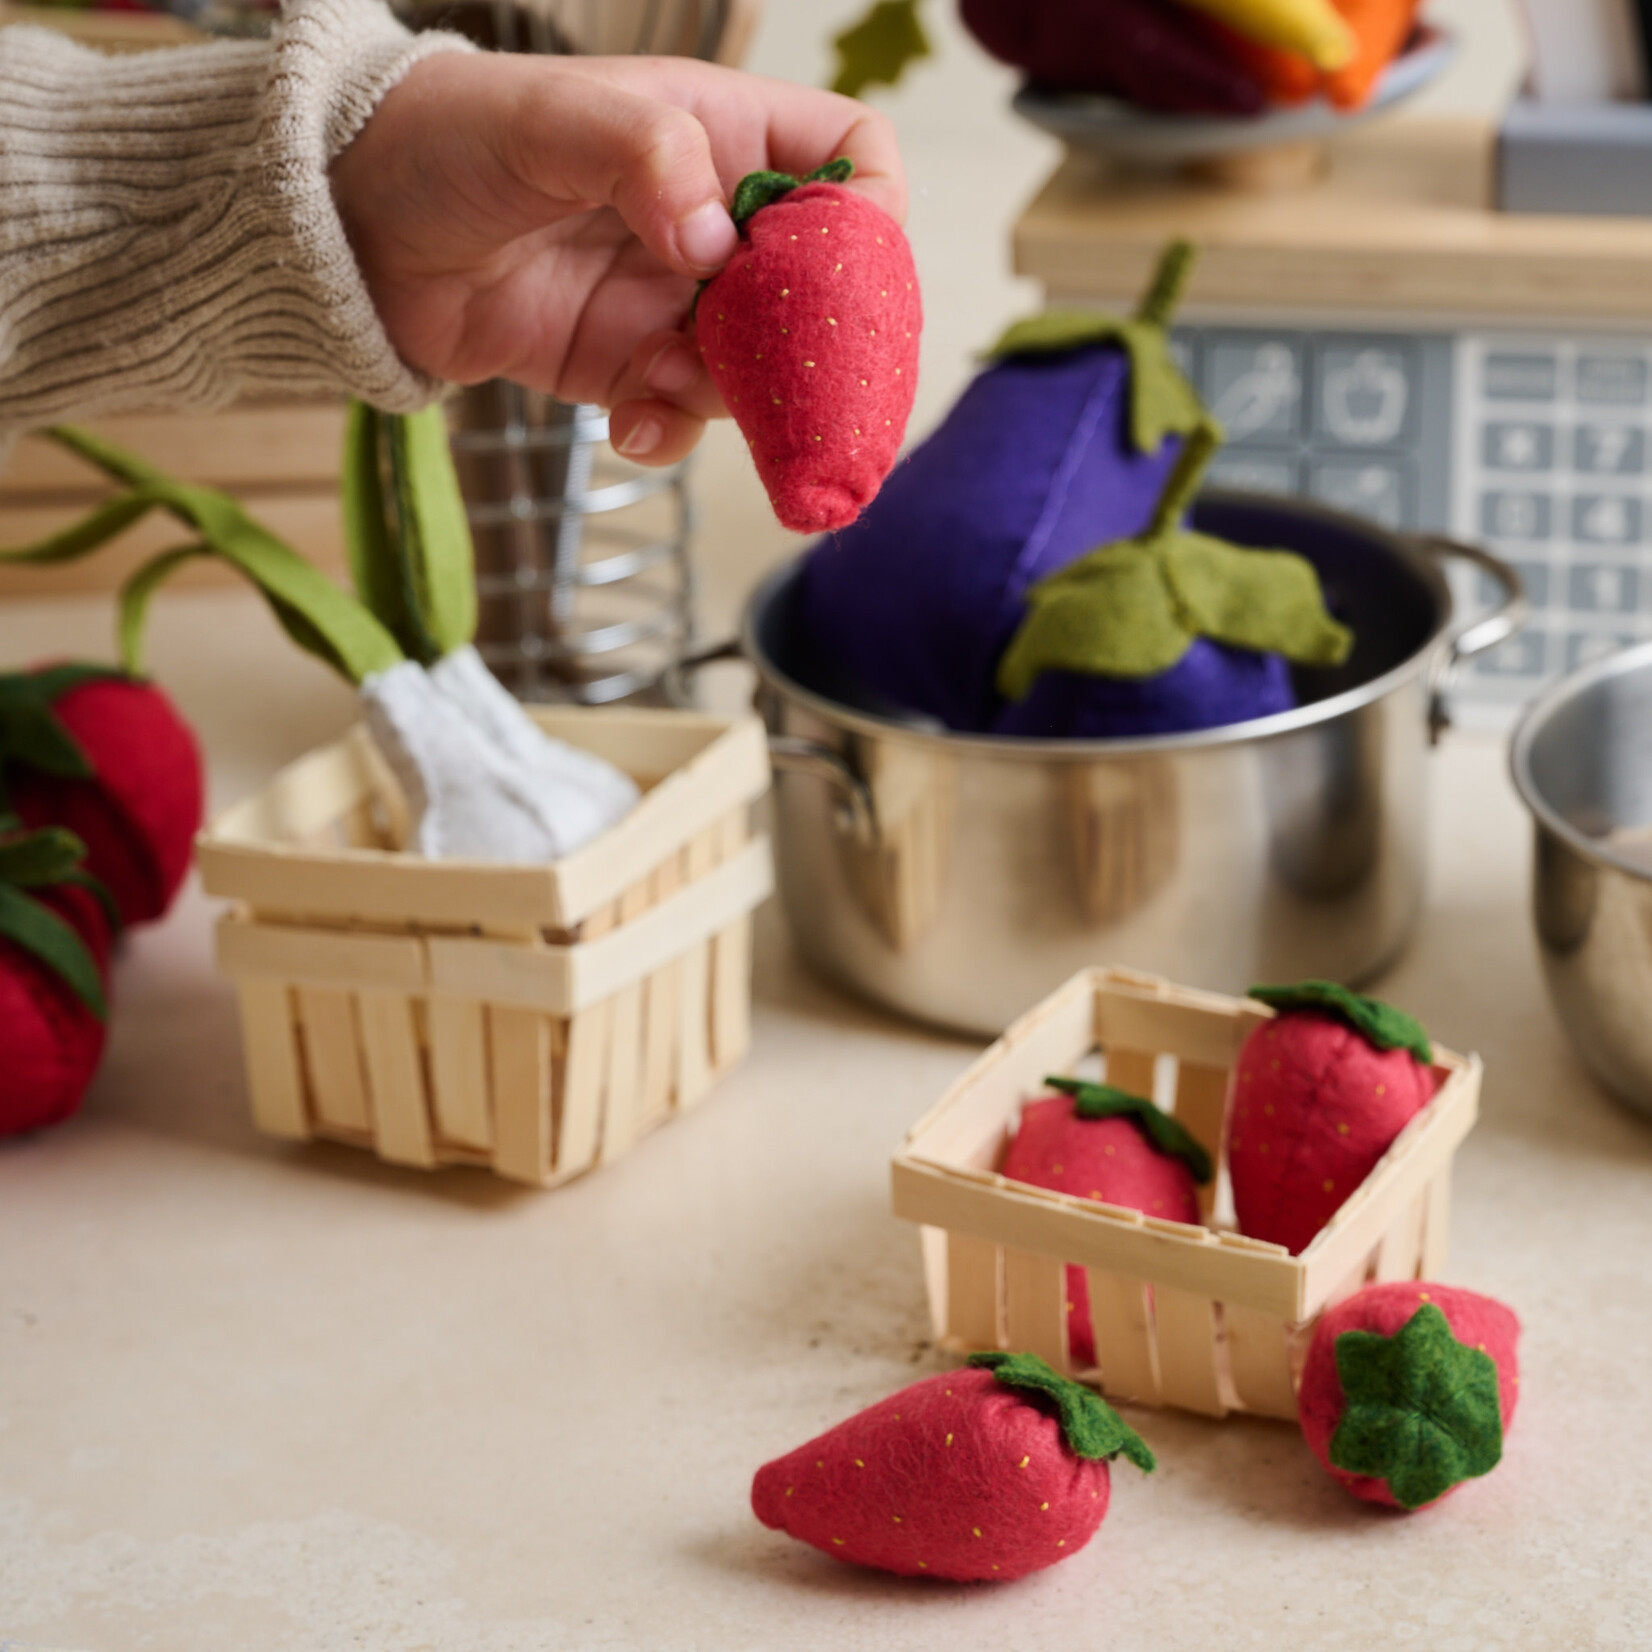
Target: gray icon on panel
x,y
1611,381
1521,445
1365,393
1523,656
1381,492
1511,377
1586,647
1255,388
1603,588
1533,575
1509,514
1606,519
1609,450
1255,473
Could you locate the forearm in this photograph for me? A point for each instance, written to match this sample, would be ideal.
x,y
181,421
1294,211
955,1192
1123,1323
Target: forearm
x,y
167,235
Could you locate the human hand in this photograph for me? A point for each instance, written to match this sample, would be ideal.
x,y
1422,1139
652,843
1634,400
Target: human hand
x,y
547,219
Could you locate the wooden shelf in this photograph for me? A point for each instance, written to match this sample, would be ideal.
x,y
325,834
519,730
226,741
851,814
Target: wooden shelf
x,y
1401,223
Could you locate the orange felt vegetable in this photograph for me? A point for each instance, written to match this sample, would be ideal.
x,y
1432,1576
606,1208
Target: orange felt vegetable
x,y
1380,29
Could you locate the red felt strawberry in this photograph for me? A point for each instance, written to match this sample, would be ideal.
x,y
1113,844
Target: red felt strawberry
x,y
55,931
1320,1093
107,756
811,334
1099,1142
1408,1390
978,1475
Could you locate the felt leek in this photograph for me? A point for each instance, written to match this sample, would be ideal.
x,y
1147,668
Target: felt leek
x,y
1312,28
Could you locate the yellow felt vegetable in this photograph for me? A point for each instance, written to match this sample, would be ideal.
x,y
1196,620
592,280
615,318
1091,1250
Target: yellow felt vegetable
x,y
1313,28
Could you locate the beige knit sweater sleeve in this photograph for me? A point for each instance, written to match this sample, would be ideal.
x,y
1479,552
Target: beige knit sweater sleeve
x,y
167,236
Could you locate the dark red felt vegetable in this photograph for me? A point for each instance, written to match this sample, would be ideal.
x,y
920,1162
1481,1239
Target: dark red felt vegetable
x,y
811,334
977,1475
1320,1093
108,757
1408,1390
55,932
1102,1143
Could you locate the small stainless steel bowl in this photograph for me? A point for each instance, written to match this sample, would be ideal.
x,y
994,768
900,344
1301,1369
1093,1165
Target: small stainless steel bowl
x,y
1582,760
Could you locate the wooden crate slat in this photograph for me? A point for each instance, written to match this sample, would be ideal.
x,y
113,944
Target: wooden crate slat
x,y
975,1293
622,1112
1035,1306
1201,1101
1259,1359
662,1005
1134,1019
1121,1321
1399,1251
933,1242
1188,1351
459,1072
342,960
584,1077
694,1068
275,1082
1437,1225
519,1048
395,1076
333,1059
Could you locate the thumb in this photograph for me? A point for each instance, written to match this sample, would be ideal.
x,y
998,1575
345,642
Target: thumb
x,y
586,142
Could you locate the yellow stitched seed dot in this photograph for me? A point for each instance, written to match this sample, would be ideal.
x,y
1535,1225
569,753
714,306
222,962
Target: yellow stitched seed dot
x,y
1069,1307
897,370
1382,1089
785,292
923,1565
1480,1346
1158,1204
1061,1543
1329,1185
831,320
1043,1505
758,356
863,381
790,1490
1108,1151
897,1416
896,1518
808,364
995,1565
909,286
859,1463
1342,1129
949,1391
976,1530
721,316
879,240
1056,1169
776,400
873,331
1423,1296
857,429
1267,1109
1263,1148
817,438
1023,1463
949,1437
820,1462
1094,1193
886,421
838,1541
883,292
1273,1066
824,230
785,329
794,238
836,268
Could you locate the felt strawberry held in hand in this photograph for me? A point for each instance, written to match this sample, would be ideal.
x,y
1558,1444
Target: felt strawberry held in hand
x,y
1096,1141
1408,1390
1320,1093
978,1475
810,332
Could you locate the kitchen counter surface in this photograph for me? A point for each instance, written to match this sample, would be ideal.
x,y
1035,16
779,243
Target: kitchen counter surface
x,y
256,1398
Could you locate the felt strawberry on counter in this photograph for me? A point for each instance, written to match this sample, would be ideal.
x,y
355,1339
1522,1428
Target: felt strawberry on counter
x,y
106,755
1409,1389
810,331
56,925
1321,1091
1098,1142
978,1475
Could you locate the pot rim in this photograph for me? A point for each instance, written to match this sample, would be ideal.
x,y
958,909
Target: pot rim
x,y
1408,548
1534,720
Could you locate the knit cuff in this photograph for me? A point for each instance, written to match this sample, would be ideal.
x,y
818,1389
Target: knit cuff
x,y
169,236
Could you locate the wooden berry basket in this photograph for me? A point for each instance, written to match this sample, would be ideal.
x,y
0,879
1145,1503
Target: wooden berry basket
x,y
534,1019
1195,1317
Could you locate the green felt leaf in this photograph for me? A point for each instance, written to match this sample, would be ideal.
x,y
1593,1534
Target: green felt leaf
x,y
52,682
32,736
879,48
41,857
1167,1134
132,604
369,538
96,528
760,189
1378,1023
1422,1408
435,553
1092,1428
1162,402
38,931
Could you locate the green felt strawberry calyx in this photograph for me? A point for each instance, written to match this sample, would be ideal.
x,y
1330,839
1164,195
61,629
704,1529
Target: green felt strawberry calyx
x,y
32,735
1091,1427
877,49
760,189
50,858
1423,1412
1133,608
1162,402
1168,1135
1377,1023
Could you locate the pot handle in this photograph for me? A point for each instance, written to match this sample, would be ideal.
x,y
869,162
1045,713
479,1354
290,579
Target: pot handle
x,y
856,815
1507,618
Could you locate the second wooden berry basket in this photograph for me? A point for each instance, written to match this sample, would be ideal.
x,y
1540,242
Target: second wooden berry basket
x,y
1194,1317
534,1019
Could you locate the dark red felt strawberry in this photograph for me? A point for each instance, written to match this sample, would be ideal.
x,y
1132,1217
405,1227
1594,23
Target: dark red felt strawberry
x,y
1408,1390
55,930
811,334
1320,1093
107,756
978,1475
1099,1142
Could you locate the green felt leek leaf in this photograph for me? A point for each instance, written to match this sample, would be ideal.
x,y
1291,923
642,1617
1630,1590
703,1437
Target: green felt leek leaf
x,y
1162,402
1378,1023
1092,1428
1167,1134
1423,1411
369,541
97,527
878,49
38,931
759,189
435,555
132,604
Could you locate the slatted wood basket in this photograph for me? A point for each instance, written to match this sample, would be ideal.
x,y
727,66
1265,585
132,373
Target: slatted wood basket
x,y
535,1019
1196,1317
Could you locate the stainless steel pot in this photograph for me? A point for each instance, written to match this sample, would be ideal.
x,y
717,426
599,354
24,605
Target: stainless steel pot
x,y
958,878
1582,760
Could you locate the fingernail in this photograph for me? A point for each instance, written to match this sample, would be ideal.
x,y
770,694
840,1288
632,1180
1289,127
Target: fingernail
x,y
707,237
673,369
645,436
